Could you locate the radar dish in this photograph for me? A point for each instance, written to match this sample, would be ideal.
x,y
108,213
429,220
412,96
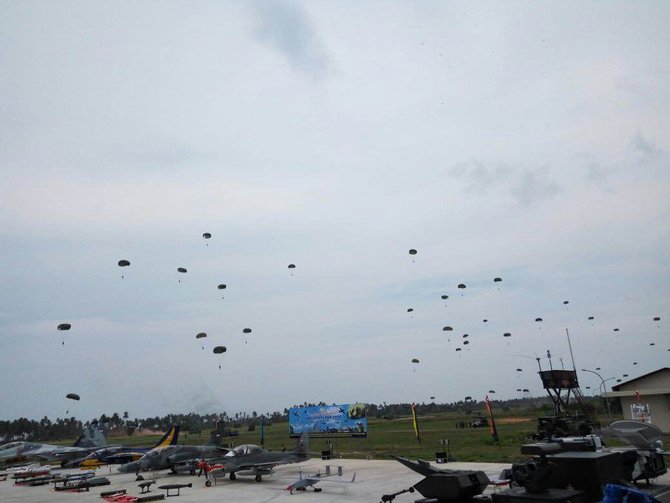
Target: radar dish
x,y
636,433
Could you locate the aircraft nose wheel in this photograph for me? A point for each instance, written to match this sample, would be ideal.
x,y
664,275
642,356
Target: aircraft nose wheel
x,y
258,478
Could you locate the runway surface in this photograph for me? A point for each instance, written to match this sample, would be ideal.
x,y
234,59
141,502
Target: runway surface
x,y
373,479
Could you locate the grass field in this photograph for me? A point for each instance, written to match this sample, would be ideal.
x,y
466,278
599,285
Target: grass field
x,y
396,436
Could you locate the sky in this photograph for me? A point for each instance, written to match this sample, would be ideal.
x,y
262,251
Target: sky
x,y
521,140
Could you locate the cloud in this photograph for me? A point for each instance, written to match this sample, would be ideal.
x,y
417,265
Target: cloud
x,y
647,150
525,185
285,27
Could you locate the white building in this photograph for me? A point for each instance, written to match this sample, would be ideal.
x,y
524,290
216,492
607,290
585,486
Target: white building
x,y
646,398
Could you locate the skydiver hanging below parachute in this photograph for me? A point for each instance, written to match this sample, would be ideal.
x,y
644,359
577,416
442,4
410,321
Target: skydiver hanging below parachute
x,y
222,286
206,236
124,263
412,252
219,350
201,335
64,327
462,286
71,396
182,270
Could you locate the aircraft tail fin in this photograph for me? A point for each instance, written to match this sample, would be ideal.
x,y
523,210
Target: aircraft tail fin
x,y
303,444
170,438
93,435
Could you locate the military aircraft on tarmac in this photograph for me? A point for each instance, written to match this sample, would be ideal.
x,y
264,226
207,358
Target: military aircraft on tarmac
x,y
162,458
310,480
119,455
250,459
93,437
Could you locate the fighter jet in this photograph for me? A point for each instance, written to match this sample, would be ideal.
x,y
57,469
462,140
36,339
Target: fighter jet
x,y
162,458
253,460
119,455
93,437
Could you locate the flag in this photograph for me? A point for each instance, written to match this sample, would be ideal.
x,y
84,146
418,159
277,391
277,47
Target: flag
x,y
416,424
492,425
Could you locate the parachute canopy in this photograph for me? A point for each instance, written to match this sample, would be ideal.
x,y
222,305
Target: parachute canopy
x,y
447,329
412,251
409,309
507,334
219,349
525,390
72,396
182,269
201,335
465,336
222,286
657,318
465,343
519,370
415,360
590,317
445,297
461,285
64,326
538,319
497,280
206,235
124,263
485,320
458,349
566,302
616,329
468,398
246,331
291,266
492,391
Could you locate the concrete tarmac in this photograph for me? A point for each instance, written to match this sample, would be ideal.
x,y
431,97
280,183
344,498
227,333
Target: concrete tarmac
x,y
373,479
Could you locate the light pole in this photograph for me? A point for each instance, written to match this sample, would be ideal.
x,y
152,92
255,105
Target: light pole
x,y
602,384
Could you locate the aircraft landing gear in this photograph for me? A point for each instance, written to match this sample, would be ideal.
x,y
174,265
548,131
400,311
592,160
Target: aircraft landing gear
x,y
208,483
259,478
232,476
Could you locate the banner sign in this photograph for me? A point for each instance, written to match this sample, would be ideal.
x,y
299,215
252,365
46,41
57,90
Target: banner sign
x,y
329,421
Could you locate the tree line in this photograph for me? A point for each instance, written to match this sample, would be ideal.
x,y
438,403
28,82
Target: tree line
x,y
121,423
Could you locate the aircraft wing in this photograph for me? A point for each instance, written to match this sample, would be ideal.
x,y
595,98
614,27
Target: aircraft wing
x,y
235,467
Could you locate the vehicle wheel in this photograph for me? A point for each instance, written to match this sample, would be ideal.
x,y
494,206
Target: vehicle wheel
x,y
258,478
317,489
232,476
208,483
